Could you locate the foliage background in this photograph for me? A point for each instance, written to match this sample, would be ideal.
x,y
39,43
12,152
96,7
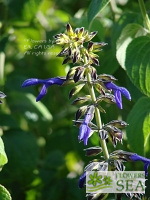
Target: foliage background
x,y
45,159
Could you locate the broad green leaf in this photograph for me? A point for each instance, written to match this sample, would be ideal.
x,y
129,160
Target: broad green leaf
x,y
7,121
3,42
28,40
130,32
138,130
22,151
68,189
96,25
26,108
54,173
79,22
4,194
134,91
125,19
45,5
27,103
40,107
108,62
25,9
137,63
30,9
3,156
53,163
95,7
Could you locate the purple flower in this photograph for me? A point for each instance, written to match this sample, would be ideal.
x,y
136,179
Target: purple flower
x,y
146,161
84,132
82,180
46,83
117,92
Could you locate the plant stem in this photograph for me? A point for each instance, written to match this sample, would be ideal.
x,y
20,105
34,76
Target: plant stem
x,y
144,14
97,116
2,62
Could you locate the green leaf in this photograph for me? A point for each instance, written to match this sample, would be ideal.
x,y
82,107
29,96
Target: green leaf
x,y
137,63
7,121
97,26
125,19
26,108
24,10
52,166
22,151
26,103
28,39
139,126
130,32
3,42
109,61
30,9
4,194
3,157
95,7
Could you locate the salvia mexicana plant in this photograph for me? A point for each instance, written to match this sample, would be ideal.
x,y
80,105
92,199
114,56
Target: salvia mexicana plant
x,y
77,48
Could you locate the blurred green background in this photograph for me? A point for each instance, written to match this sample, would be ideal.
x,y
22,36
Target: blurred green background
x,y
45,159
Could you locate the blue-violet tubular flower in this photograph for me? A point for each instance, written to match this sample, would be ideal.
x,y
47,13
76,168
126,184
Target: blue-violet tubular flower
x,y
84,132
46,83
117,92
82,180
146,161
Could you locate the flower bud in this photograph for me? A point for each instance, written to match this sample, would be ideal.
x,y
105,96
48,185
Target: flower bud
x,y
81,111
103,134
79,72
117,123
75,90
2,95
64,52
93,151
71,72
95,61
90,46
108,98
90,36
66,60
97,196
107,77
80,32
81,100
69,30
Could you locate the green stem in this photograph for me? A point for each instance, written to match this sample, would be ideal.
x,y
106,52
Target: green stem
x,y
2,62
144,14
97,116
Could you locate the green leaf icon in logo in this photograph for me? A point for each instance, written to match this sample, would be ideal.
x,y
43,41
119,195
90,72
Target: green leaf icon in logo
x,y
94,179
107,180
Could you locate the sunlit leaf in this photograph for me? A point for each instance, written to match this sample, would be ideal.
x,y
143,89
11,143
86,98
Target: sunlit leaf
x,y
139,126
3,156
29,40
33,113
4,194
138,63
130,32
95,7
125,19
